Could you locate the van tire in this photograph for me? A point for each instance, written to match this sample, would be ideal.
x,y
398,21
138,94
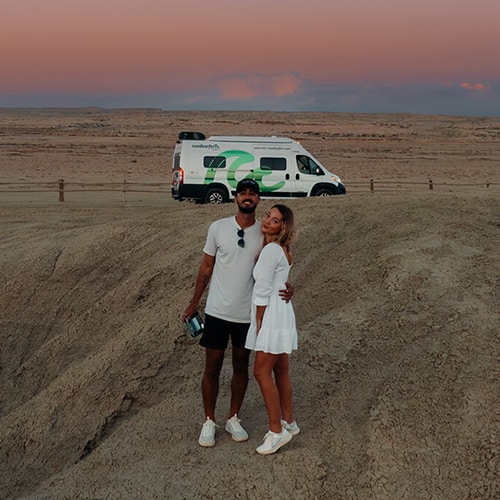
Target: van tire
x,y
216,195
323,191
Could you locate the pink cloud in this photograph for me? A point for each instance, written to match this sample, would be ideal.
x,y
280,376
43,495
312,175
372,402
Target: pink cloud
x,y
480,87
282,85
255,85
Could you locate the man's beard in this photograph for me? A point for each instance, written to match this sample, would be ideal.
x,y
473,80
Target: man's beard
x,y
247,210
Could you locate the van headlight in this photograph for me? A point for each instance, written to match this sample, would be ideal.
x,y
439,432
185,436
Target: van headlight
x,y
336,179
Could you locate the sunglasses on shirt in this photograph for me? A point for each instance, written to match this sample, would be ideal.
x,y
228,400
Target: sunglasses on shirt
x,y
241,241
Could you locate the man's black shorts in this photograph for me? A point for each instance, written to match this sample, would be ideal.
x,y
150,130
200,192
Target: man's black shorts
x,y
217,332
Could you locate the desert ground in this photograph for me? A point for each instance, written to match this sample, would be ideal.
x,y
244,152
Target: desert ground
x,y
396,294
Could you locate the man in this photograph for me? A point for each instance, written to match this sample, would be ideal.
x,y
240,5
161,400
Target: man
x,y
231,250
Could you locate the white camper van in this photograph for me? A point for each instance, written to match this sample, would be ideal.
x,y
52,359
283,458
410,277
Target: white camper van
x,y
208,170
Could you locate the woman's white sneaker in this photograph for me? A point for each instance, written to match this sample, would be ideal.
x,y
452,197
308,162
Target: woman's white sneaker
x,y
292,428
273,442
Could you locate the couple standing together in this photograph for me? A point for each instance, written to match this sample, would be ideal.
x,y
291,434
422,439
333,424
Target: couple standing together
x,y
247,264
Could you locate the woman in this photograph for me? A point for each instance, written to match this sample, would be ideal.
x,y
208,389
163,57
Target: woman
x,y
272,333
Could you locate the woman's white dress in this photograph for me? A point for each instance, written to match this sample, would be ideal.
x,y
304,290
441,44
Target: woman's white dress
x,y
278,333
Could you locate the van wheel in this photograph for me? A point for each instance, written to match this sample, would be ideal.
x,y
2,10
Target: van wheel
x,y
216,195
324,192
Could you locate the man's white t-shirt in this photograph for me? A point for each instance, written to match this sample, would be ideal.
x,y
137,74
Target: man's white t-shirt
x,y
231,285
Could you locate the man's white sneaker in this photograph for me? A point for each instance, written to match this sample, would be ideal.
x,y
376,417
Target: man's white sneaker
x,y
292,428
234,428
273,442
207,435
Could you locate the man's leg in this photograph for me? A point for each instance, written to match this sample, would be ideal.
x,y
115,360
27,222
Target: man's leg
x,y
239,381
210,382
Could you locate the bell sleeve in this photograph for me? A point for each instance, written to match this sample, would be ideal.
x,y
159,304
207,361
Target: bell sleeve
x,y
264,274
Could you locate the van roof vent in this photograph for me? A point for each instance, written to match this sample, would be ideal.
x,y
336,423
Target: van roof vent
x,y
191,136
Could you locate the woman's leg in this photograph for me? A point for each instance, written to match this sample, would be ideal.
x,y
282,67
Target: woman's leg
x,y
263,371
284,385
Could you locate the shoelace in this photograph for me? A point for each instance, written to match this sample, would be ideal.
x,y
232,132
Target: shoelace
x,y
235,422
271,436
212,423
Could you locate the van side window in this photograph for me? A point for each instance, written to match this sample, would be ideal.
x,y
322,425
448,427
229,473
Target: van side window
x,y
214,162
307,165
177,161
273,163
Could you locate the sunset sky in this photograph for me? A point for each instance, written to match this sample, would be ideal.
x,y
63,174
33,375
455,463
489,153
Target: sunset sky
x,y
430,56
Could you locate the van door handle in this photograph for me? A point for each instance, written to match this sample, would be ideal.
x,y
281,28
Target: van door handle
x,y
287,177
297,177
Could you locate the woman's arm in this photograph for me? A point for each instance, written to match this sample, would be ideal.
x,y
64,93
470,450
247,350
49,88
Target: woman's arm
x,y
260,310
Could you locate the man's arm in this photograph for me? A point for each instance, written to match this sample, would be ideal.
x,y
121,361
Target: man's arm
x,y
286,293
202,280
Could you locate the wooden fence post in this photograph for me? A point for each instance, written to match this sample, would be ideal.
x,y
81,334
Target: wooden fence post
x,y
61,189
372,187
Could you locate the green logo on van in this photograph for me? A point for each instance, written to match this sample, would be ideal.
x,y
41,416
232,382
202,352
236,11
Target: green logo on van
x,y
242,158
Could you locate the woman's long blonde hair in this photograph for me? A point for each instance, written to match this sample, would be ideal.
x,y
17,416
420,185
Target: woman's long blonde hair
x,y
287,233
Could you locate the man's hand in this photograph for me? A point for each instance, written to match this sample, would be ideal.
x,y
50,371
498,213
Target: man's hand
x,y
286,294
189,312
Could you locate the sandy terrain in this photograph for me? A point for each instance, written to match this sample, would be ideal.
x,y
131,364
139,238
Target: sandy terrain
x,y
396,295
